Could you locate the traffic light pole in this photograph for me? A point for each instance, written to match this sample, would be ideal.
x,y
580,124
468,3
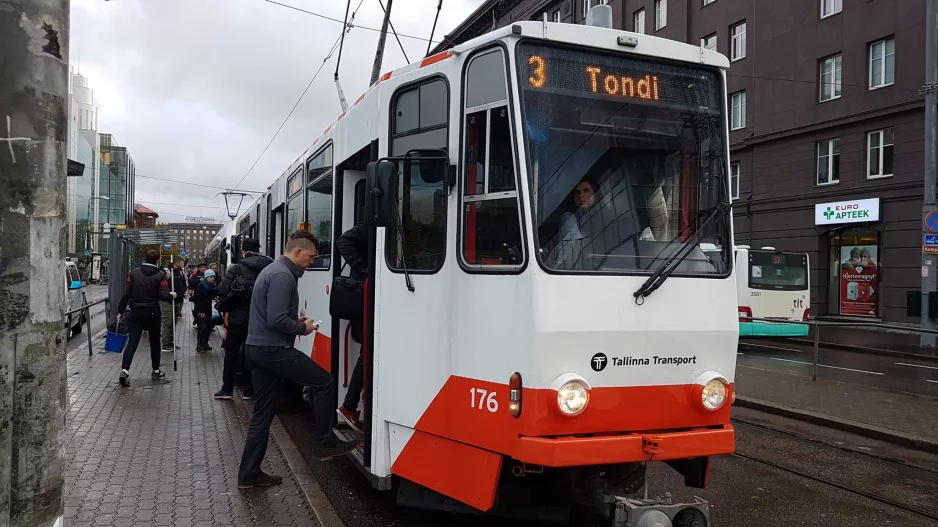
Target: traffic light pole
x,y
33,133
929,270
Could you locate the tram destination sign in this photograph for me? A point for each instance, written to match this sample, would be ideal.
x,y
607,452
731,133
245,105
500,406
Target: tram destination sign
x,y
849,211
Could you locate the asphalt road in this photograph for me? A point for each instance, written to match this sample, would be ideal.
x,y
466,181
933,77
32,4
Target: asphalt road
x,y
894,373
743,492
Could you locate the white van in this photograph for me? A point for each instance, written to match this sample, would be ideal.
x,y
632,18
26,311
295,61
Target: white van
x,y
74,298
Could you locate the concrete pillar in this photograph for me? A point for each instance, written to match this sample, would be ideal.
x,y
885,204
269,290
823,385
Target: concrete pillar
x,y
34,37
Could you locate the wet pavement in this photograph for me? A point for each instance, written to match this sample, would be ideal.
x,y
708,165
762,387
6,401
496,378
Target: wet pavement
x,y
164,452
900,373
913,411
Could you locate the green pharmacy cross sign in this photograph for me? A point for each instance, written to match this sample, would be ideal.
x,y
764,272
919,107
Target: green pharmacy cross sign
x,y
854,211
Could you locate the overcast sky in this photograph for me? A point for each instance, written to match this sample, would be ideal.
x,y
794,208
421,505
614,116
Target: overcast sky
x,y
196,88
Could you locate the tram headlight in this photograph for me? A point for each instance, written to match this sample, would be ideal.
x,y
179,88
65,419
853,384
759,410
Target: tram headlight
x,y
573,393
711,391
713,395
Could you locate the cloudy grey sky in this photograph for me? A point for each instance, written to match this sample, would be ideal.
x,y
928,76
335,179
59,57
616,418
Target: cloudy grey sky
x,y
196,88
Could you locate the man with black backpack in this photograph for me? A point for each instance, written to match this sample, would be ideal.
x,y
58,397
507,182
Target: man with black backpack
x,y
234,300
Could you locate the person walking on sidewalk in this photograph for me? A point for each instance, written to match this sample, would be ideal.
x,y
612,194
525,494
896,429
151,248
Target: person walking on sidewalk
x,y
202,297
146,287
353,247
172,309
234,299
273,326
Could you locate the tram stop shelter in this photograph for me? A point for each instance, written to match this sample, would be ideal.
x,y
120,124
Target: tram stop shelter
x,y
126,252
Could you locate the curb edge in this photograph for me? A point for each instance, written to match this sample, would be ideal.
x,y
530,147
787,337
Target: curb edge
x,y
846,425
315,497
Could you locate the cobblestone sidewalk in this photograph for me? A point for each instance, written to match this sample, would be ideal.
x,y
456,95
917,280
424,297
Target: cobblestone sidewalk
x,y
164,452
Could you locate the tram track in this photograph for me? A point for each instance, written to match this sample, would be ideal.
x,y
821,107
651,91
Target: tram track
x,y
868,495
840,460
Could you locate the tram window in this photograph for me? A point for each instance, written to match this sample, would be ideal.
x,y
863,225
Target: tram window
x,y
491,216
319,164
294,217
319,218
420,121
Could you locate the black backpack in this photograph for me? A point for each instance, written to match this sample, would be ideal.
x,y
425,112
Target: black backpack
x,y
239,294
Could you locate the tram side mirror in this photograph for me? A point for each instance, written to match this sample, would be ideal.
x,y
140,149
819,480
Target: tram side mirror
x,y
379,192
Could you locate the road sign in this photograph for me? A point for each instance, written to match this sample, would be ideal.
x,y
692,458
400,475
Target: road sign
x,y
930,239
930,249
931,221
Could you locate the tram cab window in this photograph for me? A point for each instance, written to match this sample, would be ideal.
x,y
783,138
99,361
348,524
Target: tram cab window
x,y
491,215
419,120
319,204
626,161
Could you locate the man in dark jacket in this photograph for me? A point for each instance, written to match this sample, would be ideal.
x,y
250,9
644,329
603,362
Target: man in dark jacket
x,y
273,325
171,309
202,295
234,293
146,287
194,279
353,247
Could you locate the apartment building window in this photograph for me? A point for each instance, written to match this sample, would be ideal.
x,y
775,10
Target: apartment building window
x,y
738,113
830,77
831,7
828,161
734,180
638,21
880,153
555,17
587,4
882,63
709,42
661,14
738,41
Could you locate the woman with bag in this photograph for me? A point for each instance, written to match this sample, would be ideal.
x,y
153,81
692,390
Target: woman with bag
x,y
347,302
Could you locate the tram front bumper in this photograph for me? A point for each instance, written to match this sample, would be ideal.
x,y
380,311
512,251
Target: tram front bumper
x,y
603,450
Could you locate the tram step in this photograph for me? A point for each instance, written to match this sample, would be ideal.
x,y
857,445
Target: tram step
x,y
347,435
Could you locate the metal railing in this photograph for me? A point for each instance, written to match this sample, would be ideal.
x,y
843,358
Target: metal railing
x,y
86,308
818,324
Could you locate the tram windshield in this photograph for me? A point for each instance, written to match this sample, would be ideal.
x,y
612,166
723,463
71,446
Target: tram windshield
x,y
626,159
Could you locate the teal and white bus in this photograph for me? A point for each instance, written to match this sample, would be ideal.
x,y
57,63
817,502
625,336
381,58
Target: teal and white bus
x,y
772,284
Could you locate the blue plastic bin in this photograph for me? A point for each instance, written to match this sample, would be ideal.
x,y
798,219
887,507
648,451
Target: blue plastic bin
x,y
115,342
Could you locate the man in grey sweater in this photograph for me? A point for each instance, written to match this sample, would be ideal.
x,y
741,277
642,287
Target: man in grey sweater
x,y
273,326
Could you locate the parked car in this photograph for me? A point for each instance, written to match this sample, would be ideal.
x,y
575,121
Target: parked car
x,y
74,298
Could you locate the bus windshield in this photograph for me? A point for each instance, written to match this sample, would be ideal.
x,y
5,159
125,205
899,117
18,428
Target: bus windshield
x,y
626,157
775,271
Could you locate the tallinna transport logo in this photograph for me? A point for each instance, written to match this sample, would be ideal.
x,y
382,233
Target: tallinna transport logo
x,y
598,362
828,213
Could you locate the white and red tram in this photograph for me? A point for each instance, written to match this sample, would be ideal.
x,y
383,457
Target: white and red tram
x,y
528,192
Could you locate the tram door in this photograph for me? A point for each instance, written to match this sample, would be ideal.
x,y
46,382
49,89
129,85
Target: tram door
x,y
409,355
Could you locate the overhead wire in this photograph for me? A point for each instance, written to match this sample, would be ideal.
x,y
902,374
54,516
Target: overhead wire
x,y
335,46
194,184
376,30
395,32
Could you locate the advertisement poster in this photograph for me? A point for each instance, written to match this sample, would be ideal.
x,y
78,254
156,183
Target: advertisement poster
x,y
858,280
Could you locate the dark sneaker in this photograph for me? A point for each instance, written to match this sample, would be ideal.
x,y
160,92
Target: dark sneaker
x,y
350,419
340,449
263,480
247,395
222,394
124,379
157,374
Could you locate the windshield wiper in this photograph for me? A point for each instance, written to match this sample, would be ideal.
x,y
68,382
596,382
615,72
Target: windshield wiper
x,y
667,269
